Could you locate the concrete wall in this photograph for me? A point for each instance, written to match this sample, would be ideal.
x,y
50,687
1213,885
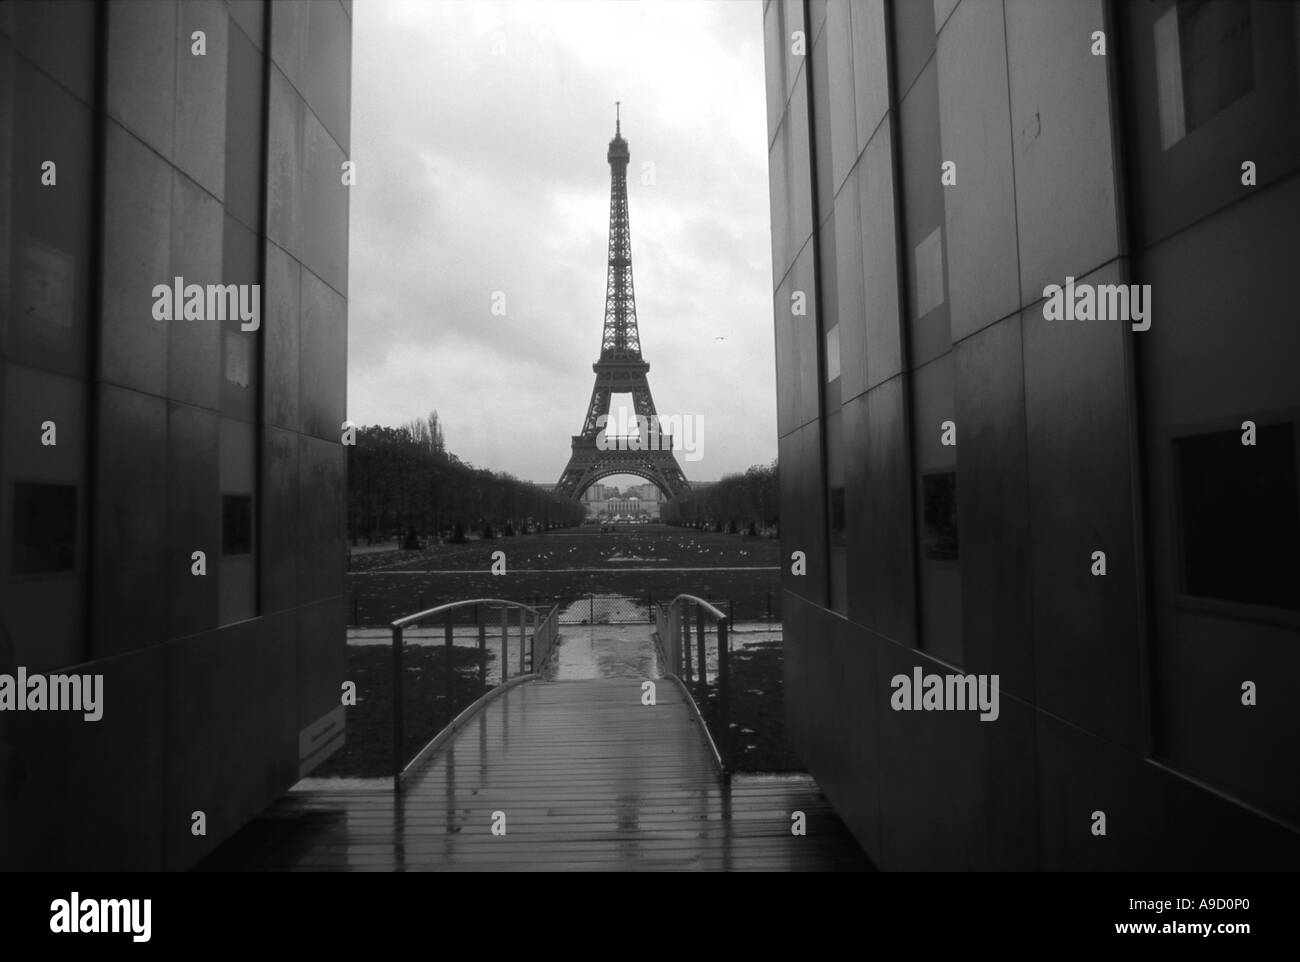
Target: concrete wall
x,y
1121,693
165,168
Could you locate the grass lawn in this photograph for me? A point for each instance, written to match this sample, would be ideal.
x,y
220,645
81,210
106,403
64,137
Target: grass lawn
x,y
429,703
561,566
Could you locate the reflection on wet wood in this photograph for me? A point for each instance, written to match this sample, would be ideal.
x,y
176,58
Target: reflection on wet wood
x,y
586,777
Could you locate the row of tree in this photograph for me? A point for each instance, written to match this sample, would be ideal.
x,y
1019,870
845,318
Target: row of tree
x,y
748,503
404,483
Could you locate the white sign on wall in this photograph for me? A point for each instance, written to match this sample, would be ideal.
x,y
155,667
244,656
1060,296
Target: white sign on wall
x,y
319,740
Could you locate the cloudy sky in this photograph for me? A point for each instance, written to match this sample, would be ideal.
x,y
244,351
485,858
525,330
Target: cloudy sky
x,y
479,132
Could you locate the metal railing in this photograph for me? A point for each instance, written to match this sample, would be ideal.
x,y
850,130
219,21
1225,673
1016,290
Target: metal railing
x,y
376,611
489,614
702,664
545,635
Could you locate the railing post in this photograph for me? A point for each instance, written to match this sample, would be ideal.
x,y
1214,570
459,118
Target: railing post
x,y
665,621
505,643
684,639
699,640
675,624
523,613
724,696
482,648
591,609
448,644
674,641
397,708
670,640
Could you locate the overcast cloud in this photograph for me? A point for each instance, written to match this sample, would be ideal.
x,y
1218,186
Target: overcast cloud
x,y
479,132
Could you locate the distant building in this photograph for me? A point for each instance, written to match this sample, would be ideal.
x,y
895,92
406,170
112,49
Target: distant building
x,y
646,492
1067,504
606,501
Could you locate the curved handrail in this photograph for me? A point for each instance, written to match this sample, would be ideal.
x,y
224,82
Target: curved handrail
x,y
706,605
677,654
452,606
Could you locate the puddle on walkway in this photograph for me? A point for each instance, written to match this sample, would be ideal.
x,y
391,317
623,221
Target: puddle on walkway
x,y
604,651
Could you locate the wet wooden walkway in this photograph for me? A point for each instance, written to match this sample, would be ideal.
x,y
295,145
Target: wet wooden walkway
x,y
580,776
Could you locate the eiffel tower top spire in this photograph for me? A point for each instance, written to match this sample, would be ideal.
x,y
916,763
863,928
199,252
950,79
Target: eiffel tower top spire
x,y
620,340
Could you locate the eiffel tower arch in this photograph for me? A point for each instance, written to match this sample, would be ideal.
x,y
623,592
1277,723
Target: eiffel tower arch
x,y
621,370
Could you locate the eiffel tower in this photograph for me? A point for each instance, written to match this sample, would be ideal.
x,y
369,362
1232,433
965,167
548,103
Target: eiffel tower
x,y
621,370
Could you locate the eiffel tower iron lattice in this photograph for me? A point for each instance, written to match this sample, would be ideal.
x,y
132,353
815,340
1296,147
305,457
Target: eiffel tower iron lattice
x,y
621,370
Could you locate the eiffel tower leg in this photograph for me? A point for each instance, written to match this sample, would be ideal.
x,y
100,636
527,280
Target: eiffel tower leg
x,y
642,401
599,405
645,407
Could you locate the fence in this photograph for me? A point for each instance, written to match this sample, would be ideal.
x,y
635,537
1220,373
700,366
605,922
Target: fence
x,y
471,622
606,609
